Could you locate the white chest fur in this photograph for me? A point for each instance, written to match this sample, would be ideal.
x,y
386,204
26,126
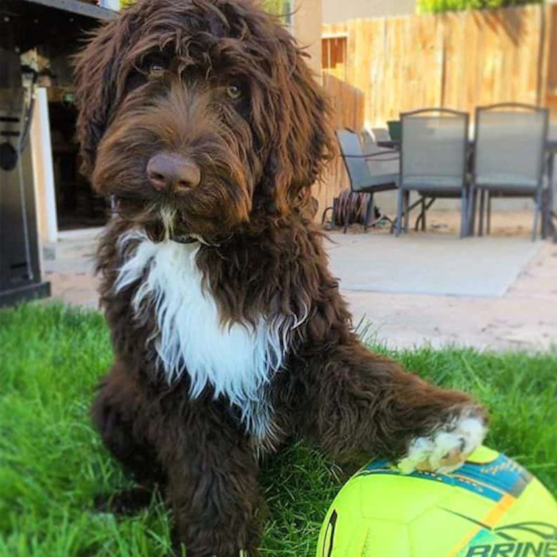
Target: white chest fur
x,y
236,360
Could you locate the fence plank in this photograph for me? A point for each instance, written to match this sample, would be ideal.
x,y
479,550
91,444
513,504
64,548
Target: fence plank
x,y
458,60
348,104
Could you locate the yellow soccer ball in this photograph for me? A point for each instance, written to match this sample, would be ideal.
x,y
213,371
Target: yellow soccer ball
x,y
490,507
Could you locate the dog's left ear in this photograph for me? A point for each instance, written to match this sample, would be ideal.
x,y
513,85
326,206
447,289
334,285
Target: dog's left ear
x,y
301,139
99,86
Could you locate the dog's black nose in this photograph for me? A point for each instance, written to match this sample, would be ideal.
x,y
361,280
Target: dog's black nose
x,y
170,171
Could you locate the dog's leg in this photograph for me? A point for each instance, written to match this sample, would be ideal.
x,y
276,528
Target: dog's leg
x,y
360,404
113,415
213,491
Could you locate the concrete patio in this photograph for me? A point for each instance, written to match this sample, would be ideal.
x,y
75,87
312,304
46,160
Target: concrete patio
x,y
429,264
525,316
491,293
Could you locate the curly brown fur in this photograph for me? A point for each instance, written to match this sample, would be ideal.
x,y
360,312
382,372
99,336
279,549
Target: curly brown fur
x,y
158,79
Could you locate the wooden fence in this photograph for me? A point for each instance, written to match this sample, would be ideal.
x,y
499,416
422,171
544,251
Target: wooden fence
x,y
457,60
348,104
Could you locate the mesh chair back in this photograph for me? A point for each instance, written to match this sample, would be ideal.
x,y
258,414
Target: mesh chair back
x,y
375,173
434,149
353,155
381,134
369,141
510,146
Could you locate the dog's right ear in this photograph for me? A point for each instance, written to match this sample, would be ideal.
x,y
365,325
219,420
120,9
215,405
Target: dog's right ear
x,y
97,89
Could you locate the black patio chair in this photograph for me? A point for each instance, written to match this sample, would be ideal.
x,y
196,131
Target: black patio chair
x,y
370,172
510,157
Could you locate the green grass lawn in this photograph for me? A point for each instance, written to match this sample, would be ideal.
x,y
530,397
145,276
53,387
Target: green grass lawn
x,y
52,463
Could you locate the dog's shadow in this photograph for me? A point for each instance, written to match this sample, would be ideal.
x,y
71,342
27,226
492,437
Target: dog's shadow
x,y
127,502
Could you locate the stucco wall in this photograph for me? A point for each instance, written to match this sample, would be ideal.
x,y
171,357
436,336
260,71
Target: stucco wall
x,y
306,27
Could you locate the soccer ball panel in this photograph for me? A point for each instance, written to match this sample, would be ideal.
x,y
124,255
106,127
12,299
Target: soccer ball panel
x,y
491,507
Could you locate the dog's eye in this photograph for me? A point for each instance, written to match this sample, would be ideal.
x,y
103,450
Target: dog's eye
x,y
156,69
233,91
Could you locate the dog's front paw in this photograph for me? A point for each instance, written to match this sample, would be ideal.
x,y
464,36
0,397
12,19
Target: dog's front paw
x,y
447,448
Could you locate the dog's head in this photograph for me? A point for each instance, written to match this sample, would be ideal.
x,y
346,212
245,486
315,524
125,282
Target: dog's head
x,y
194,114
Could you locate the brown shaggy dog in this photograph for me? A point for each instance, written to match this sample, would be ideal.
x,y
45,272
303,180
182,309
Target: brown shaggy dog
x,y
201,119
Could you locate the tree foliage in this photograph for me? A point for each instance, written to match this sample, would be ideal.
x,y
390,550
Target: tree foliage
x,y
440,6
274,6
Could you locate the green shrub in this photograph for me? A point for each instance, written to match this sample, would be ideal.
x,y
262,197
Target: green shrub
x,y
281,8
440,6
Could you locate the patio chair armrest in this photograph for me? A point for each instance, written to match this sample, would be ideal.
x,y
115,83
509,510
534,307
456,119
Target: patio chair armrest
x,y
384,157
394,156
